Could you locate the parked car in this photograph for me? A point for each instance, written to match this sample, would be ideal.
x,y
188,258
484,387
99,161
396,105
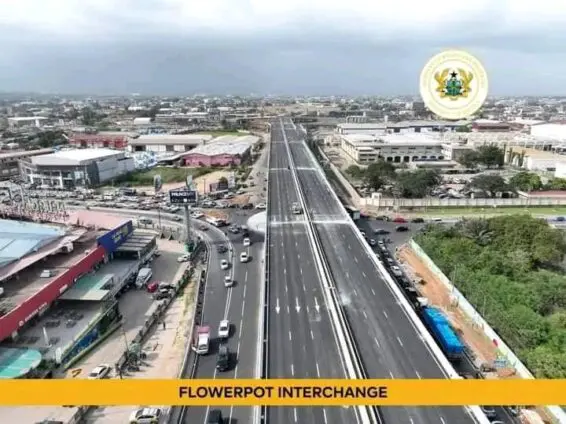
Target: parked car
x,y
418,220
224,329
248,206
152,287
401,228
145,416
184,258
99,372
162,294
400,220
380,231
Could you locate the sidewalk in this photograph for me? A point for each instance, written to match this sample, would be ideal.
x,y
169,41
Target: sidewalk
x,y
165,348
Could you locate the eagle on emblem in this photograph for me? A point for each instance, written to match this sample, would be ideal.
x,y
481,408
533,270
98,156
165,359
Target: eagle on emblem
x,y
453,84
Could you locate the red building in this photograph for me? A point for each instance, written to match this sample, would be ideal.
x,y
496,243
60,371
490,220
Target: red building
x,y
111,140
485,126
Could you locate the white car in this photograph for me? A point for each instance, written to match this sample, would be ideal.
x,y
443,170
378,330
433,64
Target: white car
x,y
197,215
224,329
228,282
260,206
145,416
243,257
247,242
99,372
224,264
396,270
177,218
184,258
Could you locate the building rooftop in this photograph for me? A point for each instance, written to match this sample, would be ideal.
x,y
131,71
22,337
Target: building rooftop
x,y
24,153
18,239
194,139
73,156
16,362
26,118
226,145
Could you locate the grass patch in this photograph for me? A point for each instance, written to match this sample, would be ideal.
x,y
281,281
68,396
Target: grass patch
x,y
168,175
492,211
220,133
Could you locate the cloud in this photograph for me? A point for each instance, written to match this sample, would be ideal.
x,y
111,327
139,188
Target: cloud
x,y
311,46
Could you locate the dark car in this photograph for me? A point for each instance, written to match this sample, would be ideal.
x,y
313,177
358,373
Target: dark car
x,y
223,359
418,220
380,231
248,206
221,249
401,228
215,417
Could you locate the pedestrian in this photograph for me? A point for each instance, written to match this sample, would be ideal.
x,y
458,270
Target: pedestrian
x,y
164,325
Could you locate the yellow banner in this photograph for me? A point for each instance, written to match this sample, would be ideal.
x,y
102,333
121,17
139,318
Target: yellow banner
x,y
303,392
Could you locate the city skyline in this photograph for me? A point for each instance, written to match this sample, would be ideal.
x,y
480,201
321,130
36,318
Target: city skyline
x,y
313,48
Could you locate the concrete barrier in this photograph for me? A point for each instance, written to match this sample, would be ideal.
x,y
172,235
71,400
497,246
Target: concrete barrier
x,y
479,322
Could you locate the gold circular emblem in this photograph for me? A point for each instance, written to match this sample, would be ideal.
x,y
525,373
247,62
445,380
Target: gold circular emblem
x,y
454,84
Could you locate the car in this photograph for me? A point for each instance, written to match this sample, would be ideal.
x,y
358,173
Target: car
x,y
215,417
261,206
145,416
224,264
372,242
401,228
234,229
99,372
157,253
203,228
184,258
145,221
223,358
197,215
400,220
489,411
417,220
224,329
166,286
228,282
248,206
221,249
177,218
560,218
243,257
380,231
396,271
162,294
247,242
152,287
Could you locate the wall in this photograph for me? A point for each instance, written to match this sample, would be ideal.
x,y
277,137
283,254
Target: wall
x,y
467,308
345,183
113,239
378,202
18,316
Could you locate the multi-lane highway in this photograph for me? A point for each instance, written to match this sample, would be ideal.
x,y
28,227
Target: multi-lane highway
x,y
301,338
389,344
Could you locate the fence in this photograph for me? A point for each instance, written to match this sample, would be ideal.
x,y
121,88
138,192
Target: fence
x,y
380,202
468,309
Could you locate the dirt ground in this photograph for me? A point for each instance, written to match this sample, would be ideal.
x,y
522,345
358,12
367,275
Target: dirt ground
x,y
438,295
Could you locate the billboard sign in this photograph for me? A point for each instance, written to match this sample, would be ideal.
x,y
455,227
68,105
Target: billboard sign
x,y
113,239
183,197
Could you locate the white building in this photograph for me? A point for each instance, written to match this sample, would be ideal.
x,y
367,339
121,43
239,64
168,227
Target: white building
x,y
554,131
76,168
560,171
26,121
351,128
168,143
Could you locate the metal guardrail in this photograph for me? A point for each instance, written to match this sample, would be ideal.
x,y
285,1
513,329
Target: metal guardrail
x,y
367,414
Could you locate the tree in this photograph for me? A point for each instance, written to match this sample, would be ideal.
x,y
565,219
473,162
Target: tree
x,y
463,129
355,172
417,184
490,185
469,159
556,184
88,116
378,173
222,181
525,181
491,156
51,138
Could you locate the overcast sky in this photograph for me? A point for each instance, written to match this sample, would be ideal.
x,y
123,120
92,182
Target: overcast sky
x,y
274,46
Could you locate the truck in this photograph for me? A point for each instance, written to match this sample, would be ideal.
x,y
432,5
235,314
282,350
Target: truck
x,y
296,208
201,340
443,332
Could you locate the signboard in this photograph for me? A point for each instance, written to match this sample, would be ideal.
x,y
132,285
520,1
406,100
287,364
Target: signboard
x,y
182,197
112,240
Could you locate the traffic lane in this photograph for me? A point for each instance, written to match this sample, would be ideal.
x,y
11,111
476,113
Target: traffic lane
x,y
278,156
319,197
280,355
301,156
282,194
404,353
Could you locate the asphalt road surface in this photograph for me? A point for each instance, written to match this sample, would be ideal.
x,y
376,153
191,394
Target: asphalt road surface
x,y
301,339
389,344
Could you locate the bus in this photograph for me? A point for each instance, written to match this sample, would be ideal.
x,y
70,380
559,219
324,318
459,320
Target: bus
x,y
354,213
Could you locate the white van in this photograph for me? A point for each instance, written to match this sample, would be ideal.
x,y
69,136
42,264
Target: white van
x,y
144,275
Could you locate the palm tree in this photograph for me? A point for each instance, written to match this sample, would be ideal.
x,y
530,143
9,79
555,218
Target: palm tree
x,y
477,230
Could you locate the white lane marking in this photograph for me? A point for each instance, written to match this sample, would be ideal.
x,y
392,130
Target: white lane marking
x,y
241,326
295,413
376,341
399,340
418,375
301,271
411,420
364,274
391,374
286,288
324,416
317,370
245,287
285,271
243,306
355,259
292,370
287,308
245,279
373,291
365,315
442,420
290,338
312,335
385,313
355,292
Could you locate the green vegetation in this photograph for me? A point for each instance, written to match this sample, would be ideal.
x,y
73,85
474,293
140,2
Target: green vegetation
x,y
487,211
509,268
168,175
220,133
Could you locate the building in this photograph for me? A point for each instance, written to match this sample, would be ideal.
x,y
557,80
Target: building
x,y
222,151
396,148
168,143
363,128
105,139
9,162
26,122
554,131
76,168
142,121
487,125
